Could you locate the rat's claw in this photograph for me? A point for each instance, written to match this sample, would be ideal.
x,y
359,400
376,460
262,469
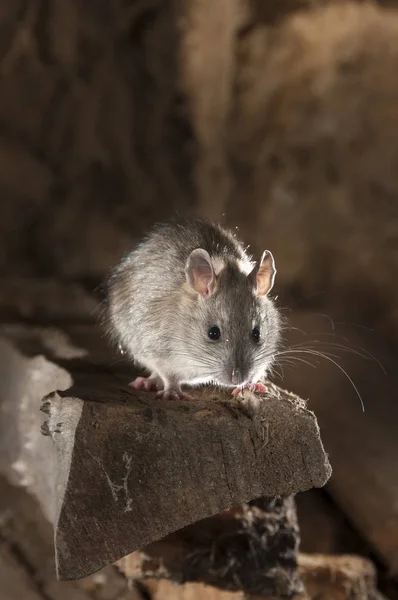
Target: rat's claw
x,y
145,383
252,387
173,394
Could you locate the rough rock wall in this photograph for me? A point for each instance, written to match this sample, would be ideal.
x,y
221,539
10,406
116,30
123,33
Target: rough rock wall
x,y
94,139
281,116
315,150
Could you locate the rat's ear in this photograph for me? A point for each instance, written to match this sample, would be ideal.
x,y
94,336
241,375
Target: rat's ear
x,y
263,276
200,273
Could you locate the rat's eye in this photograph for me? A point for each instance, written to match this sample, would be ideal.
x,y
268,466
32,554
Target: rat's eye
x,y
256,334
214,333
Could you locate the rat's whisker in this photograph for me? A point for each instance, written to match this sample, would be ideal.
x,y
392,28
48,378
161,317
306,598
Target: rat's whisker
x,y
327,357
276,370
358,351
354,349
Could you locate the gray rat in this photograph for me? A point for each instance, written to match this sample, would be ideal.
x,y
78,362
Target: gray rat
x,y
189,305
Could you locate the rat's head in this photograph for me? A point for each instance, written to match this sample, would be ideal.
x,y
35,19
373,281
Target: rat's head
x,y
233,324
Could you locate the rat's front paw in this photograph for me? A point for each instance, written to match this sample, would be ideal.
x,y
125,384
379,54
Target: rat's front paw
x,y
252,387
146,383
174,394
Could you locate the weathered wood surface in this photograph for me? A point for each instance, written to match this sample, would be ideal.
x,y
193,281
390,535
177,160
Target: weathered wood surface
x,y
363,446
129,469
27,537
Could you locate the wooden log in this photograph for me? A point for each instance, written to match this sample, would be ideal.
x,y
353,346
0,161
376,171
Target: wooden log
x,y
27,538
127,469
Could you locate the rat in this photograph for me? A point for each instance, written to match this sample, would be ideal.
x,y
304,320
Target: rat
x,y
191,306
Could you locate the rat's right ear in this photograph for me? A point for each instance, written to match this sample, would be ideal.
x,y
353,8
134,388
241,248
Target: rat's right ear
x,y
263,275
200,273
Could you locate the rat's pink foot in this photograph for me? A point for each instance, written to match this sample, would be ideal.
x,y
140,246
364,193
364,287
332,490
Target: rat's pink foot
x,y
252,387
146,383
259,387
174,394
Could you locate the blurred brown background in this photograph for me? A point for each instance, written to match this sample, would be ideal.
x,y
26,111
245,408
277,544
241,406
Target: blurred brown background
x,y
278,117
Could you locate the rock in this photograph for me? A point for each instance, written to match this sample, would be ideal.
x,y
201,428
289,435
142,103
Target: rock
x,y
325,577
251,548
94,134
338,577
15,583
45,301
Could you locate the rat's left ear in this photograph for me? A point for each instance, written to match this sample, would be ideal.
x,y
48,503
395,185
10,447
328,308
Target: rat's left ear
x,y
264,275
200,273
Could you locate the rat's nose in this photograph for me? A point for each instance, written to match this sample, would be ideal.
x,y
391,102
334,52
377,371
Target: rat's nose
x,y
235,376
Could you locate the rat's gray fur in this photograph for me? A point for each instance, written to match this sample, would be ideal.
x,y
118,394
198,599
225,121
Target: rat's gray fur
x,y
162,323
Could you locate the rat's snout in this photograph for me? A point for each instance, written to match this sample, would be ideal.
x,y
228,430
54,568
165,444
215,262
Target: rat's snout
x,y
236,377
